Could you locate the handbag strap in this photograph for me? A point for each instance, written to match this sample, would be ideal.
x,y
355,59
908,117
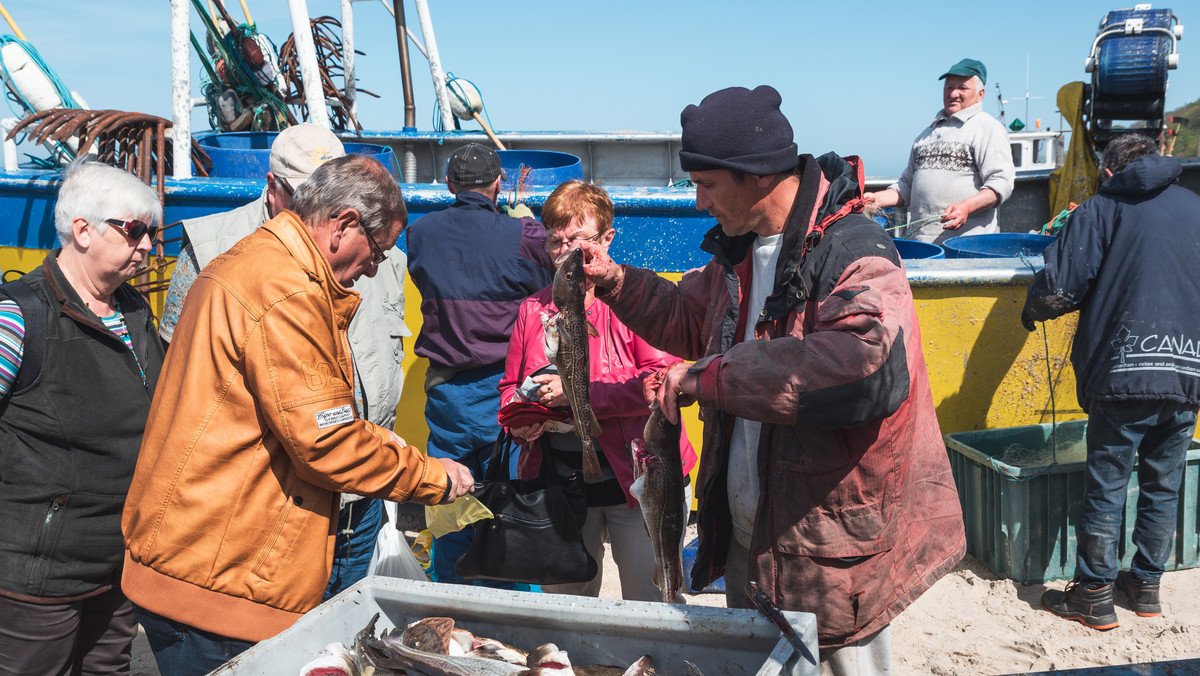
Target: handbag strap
x,y
501,452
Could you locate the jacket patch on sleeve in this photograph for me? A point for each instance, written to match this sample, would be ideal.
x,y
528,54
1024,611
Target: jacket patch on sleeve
x,y
317,375
334,416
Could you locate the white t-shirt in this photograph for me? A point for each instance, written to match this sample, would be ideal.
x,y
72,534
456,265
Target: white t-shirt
x,y
743,444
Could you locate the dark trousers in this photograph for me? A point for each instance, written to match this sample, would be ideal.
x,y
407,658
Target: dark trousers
x,y
1156,435
181,650
92,636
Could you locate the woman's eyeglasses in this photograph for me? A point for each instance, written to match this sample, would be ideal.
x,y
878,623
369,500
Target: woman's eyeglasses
x,y
134,230
554,243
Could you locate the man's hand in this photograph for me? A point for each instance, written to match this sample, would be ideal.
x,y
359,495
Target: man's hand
x,y
518,211
1027,321
955,216
671,388
461,481
882,199
599,268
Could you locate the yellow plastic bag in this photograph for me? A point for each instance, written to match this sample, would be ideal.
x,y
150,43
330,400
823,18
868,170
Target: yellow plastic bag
x,y
444,519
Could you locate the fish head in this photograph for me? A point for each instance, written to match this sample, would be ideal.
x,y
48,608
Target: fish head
x,y
569,279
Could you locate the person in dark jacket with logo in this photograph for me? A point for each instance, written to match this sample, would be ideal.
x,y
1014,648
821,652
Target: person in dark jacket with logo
x,y
70,428
1122,261
824,478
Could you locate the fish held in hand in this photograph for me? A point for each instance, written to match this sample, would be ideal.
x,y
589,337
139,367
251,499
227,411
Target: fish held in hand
x,y
572,359
658,486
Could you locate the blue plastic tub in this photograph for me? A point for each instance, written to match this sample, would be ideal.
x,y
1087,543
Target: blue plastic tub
x,y
247,154
911,249
998,245
547,168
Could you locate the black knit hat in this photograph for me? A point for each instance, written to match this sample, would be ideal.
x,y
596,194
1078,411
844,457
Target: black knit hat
x,y
739,129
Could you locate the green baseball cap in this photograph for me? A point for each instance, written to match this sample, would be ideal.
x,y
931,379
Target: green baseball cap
x,y
967,68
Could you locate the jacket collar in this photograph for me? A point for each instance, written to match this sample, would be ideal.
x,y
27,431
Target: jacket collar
x,y
129,301
472,199
297,239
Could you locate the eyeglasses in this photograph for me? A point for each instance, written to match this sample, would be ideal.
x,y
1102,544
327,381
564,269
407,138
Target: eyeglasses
x,y
287,187
554,243
377,254
134,230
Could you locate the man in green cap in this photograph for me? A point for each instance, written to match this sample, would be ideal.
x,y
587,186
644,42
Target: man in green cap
x,y
960,166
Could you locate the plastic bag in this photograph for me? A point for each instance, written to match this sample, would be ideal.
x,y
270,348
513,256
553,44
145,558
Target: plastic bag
x,y
392,557
442,520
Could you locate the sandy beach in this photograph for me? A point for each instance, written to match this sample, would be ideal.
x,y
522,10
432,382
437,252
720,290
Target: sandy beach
x,y
972,622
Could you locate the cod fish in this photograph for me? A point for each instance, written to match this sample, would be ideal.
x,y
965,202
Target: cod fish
x,y
389,655
658,486
572,360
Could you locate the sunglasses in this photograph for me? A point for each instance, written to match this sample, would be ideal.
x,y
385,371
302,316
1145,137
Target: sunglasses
x,y
377,254
134,230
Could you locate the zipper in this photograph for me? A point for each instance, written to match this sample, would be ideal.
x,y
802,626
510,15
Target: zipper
x,y
55,507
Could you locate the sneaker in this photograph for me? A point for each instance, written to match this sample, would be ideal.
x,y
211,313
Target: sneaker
x,y
1090,607
1143,595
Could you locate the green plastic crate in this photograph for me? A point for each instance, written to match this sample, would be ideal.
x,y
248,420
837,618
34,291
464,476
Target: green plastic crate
x,y
1021,509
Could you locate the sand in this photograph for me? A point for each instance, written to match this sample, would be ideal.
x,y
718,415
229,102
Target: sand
x,y
973,622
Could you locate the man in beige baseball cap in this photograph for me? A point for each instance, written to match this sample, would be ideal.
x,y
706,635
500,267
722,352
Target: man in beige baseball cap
x,y
376,333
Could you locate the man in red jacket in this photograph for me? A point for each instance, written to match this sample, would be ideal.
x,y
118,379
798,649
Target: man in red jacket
x,y
823,476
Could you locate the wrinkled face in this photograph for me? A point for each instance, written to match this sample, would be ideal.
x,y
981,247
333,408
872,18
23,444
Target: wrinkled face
x,y
562,239
733,201
364,252
960,93
112,250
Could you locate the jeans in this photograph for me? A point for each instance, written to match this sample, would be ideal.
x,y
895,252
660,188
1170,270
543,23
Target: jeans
x,y
1156,434
181,650
352,550
461,413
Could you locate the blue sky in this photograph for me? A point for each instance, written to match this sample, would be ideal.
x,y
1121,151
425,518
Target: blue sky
x,y
856,77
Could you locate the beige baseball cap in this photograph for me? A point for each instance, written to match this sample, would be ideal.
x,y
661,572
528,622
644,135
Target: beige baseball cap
x,y
300,149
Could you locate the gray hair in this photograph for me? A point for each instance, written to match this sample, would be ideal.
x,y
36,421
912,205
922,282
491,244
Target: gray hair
x,y
95,191
354,182
1126,148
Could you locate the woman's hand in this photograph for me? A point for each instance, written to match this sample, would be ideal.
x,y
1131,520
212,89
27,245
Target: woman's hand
x,y
550,391
528,432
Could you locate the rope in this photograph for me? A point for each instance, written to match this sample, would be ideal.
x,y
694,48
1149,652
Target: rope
x,y
1053,407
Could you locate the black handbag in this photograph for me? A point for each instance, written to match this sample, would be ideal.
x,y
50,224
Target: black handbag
x,y
535,536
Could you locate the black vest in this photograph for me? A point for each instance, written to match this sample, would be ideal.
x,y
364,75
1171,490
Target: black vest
x,y
69,442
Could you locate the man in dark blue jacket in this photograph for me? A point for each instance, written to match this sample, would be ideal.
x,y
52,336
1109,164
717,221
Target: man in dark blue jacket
x,y
1123,261
473,266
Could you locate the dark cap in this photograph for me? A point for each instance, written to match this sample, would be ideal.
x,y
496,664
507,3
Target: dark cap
x,y
474,164
738,129
967,68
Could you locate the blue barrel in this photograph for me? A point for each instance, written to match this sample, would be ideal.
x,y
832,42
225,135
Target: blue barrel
x,y
998,245
547,168
911,249
247,154
1134,64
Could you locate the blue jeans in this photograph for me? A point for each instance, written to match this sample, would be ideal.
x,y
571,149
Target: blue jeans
x,y
462,427
352,551
1156,434
181,650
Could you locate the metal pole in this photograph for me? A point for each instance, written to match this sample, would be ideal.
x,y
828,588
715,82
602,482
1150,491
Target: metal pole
x,y
351,77
408,162
306,51
435,64
181,97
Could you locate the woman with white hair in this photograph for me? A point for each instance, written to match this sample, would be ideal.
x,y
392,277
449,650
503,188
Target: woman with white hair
x,y
79,358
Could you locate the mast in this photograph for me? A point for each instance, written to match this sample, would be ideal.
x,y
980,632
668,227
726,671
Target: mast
x,y
306,52
435,64
181,94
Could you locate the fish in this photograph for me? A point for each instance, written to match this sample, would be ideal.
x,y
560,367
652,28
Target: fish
x,y
335,660
438,635
658,486
572,358
388,654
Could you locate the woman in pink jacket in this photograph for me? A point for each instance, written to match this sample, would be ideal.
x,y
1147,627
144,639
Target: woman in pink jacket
x,y
576,211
